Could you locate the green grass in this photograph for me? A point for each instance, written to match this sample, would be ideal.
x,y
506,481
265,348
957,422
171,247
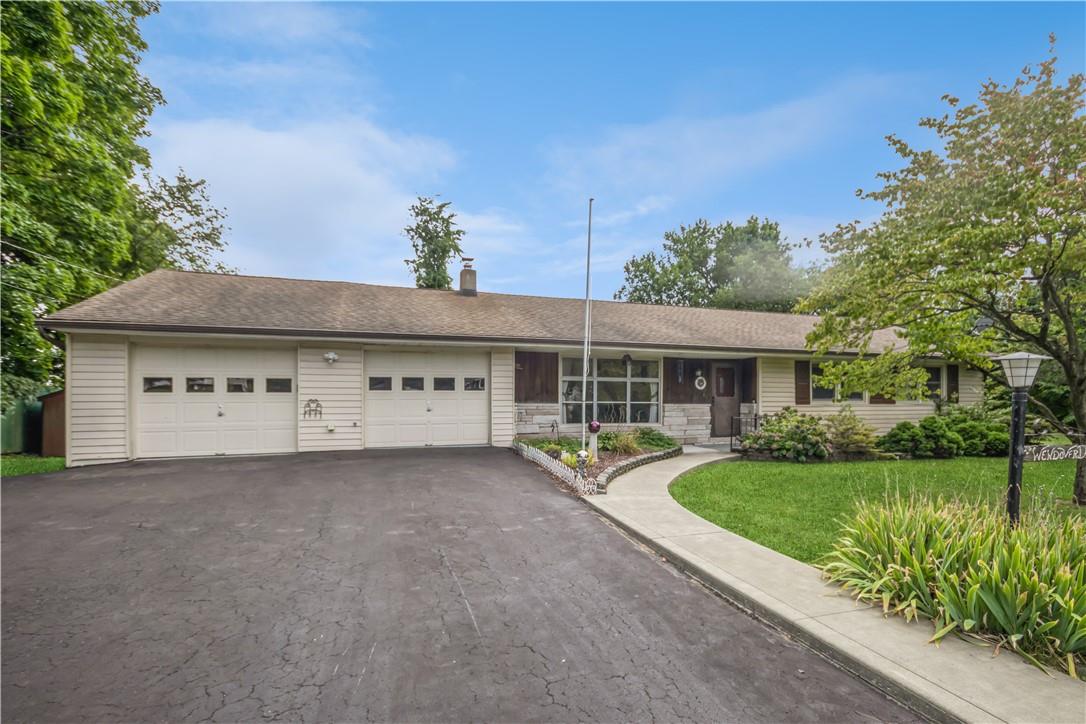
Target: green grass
x,y
795,508
11,465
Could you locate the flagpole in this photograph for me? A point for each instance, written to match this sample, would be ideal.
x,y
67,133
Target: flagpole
x,y
587,331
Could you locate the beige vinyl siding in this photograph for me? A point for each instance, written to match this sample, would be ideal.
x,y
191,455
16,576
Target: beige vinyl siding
x,y
97,399
777,380
501,397
338,387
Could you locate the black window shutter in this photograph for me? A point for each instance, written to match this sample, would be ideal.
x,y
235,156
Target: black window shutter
x,y
803,382
952,383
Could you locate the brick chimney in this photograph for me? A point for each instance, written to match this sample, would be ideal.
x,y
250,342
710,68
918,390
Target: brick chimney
x,y
468,285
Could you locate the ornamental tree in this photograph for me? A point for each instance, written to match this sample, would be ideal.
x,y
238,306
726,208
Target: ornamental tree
x,y
436,242
988,227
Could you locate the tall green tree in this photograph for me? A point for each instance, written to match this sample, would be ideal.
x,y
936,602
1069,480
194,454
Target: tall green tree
x,y
726,266
73,108
436,241
173,225
989,226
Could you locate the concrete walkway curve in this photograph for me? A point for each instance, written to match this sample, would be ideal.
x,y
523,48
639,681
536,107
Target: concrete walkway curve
x,y
954,681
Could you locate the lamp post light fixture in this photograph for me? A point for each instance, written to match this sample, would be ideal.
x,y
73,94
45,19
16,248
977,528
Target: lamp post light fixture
x,y
1021,369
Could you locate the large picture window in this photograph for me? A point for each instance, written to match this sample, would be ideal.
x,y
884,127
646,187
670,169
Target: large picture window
x,y
618,391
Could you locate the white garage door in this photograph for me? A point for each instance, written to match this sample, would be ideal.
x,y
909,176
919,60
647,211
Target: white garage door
x,y
214,401
427,398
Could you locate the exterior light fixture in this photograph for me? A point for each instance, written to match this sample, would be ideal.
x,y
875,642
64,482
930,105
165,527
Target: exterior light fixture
x,y
330,357
1021,369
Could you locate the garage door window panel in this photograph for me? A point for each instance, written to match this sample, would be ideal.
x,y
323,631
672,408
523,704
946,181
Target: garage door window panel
x,y
444,384
279,385
380,384
413,384
239,384
158,384
199,384
474,384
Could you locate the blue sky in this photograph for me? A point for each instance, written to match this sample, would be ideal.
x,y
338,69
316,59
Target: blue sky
x,y
316,125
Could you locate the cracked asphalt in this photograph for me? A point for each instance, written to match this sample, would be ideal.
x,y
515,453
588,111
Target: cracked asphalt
x,y
422,585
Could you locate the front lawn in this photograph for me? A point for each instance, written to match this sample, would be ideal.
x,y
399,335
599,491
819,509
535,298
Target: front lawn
x,y
795,508
11,465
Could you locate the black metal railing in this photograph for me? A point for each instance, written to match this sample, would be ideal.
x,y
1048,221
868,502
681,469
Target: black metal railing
x,y
742,425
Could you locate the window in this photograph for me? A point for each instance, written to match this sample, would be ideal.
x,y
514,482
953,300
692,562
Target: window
x,y
935,382
618,391
820,393
474,384
158,384
413,384
444,384
830,393
199,384
381,384
239,384
278,384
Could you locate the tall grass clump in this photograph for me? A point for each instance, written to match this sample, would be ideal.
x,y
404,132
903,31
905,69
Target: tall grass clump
x,y
961,565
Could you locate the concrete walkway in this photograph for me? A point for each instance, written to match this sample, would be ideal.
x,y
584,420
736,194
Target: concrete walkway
x,y
955,680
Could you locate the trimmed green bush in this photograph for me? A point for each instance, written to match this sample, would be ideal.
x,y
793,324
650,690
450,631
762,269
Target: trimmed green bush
x,y
961,565
570,460
788,435
932,438
939,441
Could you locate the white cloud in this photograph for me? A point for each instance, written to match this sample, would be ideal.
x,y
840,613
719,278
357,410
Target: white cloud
x,y
324,199
282,23
677,154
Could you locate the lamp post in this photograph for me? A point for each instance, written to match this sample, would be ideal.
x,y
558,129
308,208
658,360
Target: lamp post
x,y
1020,369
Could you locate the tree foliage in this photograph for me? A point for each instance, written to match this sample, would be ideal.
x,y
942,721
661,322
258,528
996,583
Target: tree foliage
x,y
73,109
436,242
174,225
989,226
726,266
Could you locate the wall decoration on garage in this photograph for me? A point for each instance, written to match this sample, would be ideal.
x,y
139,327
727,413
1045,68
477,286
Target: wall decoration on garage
x,y
312,409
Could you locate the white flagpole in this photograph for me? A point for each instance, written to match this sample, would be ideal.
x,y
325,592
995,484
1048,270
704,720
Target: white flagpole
x,y
587,331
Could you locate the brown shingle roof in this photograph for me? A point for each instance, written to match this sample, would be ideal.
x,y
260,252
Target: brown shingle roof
x,y
187,301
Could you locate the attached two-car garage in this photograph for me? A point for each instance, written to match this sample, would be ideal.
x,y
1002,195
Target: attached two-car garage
x,y
197,400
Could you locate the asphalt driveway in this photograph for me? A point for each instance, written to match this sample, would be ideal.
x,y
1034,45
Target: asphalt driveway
x,y
437,585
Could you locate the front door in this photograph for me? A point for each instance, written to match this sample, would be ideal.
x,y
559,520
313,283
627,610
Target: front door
x,y
725,397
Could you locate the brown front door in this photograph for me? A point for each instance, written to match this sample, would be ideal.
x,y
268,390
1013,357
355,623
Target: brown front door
x,y
725,398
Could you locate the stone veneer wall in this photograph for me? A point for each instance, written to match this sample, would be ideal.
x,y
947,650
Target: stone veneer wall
x,y
685,423
688,423
535,418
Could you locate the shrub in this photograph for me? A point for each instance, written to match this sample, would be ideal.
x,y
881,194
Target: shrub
x,y
964,567
931,438
569,459
974,435
789,435
903,438
606,440
650,439
849,436
625,443
997,444
553,449
938,441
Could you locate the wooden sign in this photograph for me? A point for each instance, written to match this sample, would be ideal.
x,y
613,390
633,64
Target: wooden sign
x,y
1046,453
